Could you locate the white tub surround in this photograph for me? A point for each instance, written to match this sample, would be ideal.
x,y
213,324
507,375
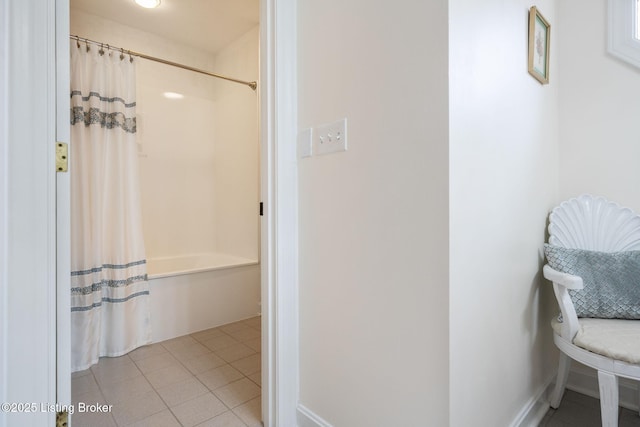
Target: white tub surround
x,y
194,263
201,291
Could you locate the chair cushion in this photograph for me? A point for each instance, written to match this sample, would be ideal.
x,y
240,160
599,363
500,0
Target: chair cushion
x,y
615,338
611,281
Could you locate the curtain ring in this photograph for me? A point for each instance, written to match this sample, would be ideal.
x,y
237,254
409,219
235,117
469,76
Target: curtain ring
x,y
101,51
86,43
78,43
130,57
121,54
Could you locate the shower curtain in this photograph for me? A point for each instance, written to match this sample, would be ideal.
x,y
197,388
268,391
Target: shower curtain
x,y
109,288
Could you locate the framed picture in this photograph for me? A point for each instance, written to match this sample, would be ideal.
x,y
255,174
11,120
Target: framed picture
x,y
539,34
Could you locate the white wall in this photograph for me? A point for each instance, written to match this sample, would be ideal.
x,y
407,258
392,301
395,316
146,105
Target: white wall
x,y
599,109
373,220
503,181
599,126
198,155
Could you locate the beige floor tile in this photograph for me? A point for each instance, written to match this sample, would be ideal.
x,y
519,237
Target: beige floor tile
x,y
198,410
244,334
167,376
227,419
182,391
83,384
235,352
155,362
134,410
255,343
218,377
231,327
189,351
254,322
128,382
248,365
256,378
219,342
250,412
126,390
178,342
207,334
146,351
203,363
111,362
113,372
81,373
238,392
161,419
91,397
92,419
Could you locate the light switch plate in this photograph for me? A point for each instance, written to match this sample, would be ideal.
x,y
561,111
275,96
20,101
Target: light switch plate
x,y
305,143
330,138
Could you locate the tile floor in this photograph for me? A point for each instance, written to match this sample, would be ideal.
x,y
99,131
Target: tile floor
x,y
207,379
579,410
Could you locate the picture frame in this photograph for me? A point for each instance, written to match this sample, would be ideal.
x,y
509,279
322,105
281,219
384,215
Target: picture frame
x,y
539,42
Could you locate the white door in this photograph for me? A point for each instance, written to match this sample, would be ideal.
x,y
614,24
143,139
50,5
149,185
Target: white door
x,y
28,212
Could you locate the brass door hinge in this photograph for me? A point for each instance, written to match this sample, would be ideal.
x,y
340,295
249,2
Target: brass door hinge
x,y
62,157
62,418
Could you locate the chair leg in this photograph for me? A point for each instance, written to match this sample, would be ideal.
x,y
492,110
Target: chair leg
x,y
561,380
608,384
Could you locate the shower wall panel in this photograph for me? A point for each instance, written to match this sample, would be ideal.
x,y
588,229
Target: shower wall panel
x,y
237,151
199,153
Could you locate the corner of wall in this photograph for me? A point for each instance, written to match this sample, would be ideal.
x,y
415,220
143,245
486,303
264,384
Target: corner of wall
x,y
536,407
503,180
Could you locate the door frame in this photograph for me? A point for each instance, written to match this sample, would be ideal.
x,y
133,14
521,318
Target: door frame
x,y
279,227
279,188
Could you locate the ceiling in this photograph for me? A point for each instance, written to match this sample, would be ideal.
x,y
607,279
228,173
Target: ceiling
x,y
205,24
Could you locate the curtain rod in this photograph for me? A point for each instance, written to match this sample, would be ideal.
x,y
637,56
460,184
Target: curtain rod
x,y
252,85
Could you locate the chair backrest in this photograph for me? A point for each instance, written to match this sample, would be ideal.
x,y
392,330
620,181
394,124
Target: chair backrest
x,y
594,223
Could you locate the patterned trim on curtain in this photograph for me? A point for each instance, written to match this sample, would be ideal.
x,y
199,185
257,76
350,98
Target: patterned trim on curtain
x,y
93,287
95,116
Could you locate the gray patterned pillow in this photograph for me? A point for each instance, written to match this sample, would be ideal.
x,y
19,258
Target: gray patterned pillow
x,y
611,281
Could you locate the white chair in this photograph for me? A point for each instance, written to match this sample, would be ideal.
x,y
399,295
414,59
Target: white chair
x,y
594,224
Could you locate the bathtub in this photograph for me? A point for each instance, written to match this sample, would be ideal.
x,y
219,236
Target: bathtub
x,y
200,291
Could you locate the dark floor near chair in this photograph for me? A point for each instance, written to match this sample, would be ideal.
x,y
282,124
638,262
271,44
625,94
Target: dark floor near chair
x,y
579,410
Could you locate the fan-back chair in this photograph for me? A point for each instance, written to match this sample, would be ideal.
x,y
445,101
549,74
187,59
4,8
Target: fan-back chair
x,y
595,229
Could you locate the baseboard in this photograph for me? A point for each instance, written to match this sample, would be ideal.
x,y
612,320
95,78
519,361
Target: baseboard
x,y
307,418
583,379
536,408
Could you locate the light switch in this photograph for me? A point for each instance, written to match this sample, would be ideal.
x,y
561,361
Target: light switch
x,y
330,138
